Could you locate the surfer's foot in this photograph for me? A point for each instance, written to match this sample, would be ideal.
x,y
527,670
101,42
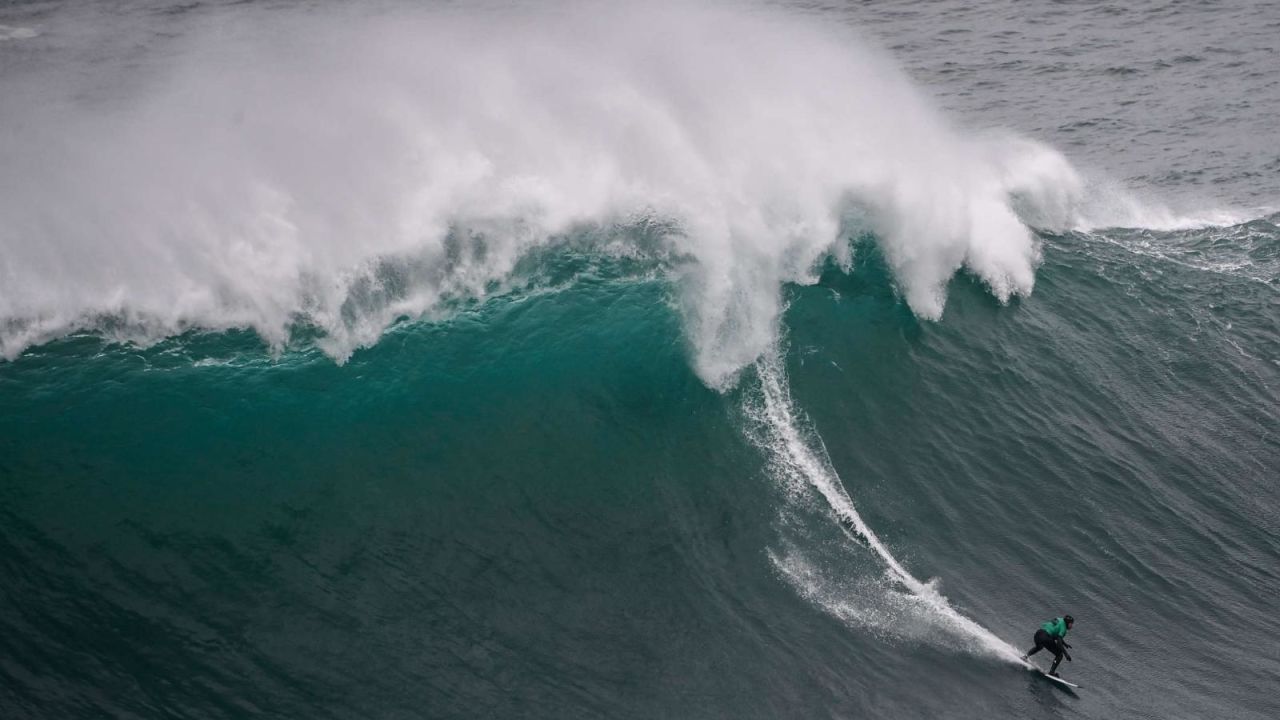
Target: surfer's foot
x,y
1054,674
1024,658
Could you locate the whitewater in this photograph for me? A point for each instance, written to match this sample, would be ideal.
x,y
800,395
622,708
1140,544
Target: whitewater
x,y
252,176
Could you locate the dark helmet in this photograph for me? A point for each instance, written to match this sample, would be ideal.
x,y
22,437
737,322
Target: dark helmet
x,y
1068,619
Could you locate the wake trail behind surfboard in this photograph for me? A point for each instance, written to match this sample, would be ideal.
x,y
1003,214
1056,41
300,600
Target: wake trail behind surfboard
x,y
801,457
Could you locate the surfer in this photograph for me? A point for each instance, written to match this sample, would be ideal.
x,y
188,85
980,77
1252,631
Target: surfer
x,y
1052,636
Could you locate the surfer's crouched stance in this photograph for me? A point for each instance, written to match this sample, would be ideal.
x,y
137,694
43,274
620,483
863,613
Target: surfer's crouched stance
x,y
1052,636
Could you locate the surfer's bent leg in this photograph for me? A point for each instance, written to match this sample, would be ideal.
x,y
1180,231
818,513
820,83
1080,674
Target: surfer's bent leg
x,y
1043,642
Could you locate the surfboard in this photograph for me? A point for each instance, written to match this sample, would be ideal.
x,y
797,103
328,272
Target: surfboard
x,y
1047,676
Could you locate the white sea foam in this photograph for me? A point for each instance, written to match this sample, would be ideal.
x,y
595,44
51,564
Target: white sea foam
x,y
1105,203
8,32
342,171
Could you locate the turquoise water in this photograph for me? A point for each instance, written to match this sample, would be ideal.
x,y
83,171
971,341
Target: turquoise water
x,y
622,465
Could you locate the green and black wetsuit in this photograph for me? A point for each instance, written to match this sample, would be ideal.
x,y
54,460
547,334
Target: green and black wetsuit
x,y
1052,637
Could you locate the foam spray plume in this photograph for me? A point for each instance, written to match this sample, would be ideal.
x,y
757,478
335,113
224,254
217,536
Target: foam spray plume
x,y
337,171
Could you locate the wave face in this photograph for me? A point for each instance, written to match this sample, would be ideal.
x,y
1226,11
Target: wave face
x,y
536,507
591,361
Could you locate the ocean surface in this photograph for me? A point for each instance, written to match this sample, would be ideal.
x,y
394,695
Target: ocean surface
x,y
638,360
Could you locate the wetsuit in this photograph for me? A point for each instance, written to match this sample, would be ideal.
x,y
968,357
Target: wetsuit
x,y
1052,637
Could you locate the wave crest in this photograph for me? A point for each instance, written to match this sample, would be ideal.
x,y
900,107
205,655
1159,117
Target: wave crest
x,y
269,173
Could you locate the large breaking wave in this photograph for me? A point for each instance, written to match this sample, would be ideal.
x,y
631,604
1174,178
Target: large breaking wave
x,y
338,171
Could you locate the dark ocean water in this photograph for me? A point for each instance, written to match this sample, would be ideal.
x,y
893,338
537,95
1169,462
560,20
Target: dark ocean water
x,y
644,401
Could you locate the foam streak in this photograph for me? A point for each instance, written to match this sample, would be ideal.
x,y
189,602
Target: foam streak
x,y
800,462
